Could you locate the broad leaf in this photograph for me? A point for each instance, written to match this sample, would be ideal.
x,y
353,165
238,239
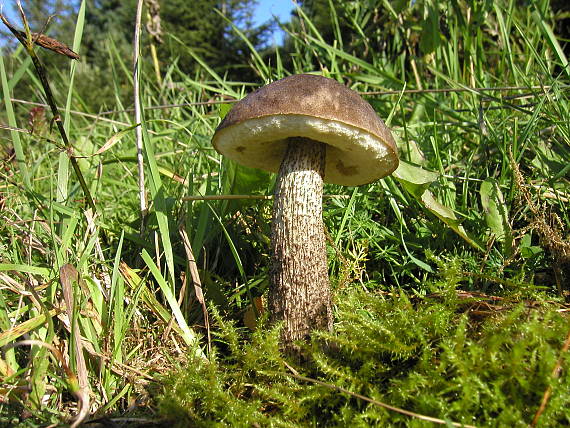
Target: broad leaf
x,y
496,212
416,181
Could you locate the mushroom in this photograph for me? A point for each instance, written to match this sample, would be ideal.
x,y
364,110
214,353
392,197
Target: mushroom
x,y
307,128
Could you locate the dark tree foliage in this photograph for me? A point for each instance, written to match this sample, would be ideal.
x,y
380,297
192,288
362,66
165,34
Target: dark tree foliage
x,y
319,12
195,26
108,20
200,27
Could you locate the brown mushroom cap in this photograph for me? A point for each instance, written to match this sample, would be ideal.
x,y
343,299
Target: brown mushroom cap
x,y
360,149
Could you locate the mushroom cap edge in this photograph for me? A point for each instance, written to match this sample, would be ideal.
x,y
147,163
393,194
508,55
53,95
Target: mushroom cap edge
x,y
360,149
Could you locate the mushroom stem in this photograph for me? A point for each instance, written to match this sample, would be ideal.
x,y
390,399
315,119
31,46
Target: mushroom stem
x,y
300,290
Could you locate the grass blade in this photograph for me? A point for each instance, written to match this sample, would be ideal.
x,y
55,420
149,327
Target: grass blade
x,y
189,336
18,148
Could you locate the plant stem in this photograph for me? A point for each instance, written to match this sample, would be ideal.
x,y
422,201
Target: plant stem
x,y
57,118
138,114
28,44
300,290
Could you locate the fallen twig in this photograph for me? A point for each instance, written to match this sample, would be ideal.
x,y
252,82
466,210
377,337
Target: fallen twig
x,y
378,403
197,283
555,374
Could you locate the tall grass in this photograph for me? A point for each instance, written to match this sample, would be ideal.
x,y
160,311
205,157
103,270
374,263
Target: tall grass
x,y
477,98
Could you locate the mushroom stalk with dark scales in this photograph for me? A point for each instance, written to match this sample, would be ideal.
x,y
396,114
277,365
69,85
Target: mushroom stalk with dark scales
x,y
309,129
299,288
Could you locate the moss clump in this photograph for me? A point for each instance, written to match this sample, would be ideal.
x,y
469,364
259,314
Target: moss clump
x,y
426,356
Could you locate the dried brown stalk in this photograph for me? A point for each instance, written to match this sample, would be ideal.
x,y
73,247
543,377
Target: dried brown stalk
x,y
41,40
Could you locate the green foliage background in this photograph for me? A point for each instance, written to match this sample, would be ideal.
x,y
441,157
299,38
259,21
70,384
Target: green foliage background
x,y
450,277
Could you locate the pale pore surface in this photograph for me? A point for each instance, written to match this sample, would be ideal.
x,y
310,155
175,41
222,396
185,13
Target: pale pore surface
x,y
353,157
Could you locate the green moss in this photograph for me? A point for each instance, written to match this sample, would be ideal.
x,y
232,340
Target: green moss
x,y
431,357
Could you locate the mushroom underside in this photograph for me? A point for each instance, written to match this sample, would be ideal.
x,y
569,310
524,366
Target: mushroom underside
x,y
354,156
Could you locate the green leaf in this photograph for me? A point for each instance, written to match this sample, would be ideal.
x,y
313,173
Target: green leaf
x,y
242,180
189,336
430,40
414,179
26,327
447,215
411,151
159,201
115,139
528,251
496,215
551,38
35,270
224,109
16,142
548,160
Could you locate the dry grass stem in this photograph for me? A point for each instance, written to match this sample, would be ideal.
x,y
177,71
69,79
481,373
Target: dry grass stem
x,y
41,40
379,403
138,113
197,283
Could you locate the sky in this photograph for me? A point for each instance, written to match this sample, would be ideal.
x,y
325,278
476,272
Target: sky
x,y
266,9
